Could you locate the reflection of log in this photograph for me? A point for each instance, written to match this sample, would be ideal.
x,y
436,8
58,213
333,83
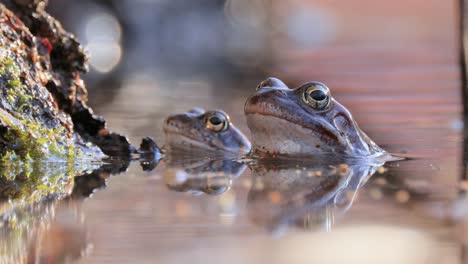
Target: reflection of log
x,y
43,107
37,234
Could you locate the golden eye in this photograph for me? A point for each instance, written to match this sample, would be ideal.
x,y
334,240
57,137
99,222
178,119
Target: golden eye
x,y
217,122
317,95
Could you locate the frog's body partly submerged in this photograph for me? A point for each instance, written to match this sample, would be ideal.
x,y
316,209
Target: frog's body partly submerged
x,y
204,131
303,121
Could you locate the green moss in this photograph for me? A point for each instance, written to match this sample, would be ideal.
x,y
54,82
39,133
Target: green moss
x,y
31,138
15,92
8,67
12,84
6,120
39,160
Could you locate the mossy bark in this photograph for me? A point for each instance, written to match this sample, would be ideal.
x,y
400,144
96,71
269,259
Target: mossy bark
x,y
48,134
40,80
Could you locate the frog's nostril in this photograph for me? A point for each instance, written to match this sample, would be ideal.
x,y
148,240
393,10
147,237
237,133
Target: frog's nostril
x,y
169,121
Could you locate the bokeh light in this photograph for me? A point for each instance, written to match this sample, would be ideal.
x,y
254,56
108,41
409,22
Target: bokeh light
x,y
103,41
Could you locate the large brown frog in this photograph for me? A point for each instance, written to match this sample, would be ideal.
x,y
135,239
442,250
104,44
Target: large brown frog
x,y
306,120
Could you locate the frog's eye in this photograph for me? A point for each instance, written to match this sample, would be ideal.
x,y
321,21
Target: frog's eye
x,y
217,122
317,95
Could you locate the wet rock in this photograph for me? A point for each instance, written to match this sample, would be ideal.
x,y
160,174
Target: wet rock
x,y
48,134
43,110
149,146
150,154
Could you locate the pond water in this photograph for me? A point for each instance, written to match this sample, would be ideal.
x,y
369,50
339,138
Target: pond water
x,y
411,211
404,92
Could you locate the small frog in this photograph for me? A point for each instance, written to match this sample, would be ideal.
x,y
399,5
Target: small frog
x,y
306,120
204,131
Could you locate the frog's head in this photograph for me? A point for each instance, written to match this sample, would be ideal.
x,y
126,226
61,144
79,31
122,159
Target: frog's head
x,y
198,129
306,120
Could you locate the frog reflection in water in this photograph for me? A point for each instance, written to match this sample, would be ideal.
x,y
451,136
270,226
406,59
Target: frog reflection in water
x,y
199,130
303,121
308,195
212,177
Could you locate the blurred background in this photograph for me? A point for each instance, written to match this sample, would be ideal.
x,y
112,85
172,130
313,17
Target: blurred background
x,y
393,64
241,38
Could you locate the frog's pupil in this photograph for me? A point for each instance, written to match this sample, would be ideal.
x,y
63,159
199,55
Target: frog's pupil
x,y
215,120
318,95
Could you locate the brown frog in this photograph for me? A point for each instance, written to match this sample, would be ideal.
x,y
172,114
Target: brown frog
x,y
204,131
306,120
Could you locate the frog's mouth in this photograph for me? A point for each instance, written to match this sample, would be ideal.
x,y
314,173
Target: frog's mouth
x,y
320,129
176,133
282,134
176,138
277,136
178,141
